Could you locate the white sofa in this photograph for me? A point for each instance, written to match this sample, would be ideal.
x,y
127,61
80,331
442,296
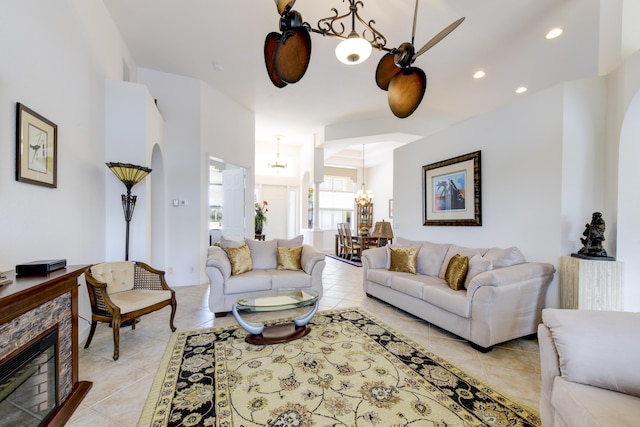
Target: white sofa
x,y
502,299
226,288
589,364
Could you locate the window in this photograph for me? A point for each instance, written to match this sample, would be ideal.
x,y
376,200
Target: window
x,y
336,201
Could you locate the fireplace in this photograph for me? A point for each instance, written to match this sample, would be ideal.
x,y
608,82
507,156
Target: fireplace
x,y
39,383
28,383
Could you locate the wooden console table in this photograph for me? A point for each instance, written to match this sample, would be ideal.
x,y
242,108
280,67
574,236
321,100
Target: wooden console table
x,y
591,284
25,295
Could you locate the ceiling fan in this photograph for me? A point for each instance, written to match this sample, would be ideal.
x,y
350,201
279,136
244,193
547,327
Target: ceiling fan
x,y
287,54
406,84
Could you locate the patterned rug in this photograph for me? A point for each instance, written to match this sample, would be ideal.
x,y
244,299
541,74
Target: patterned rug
x,y
351,370
348,261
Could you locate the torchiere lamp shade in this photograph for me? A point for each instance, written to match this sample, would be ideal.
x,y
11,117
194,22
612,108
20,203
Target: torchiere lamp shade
x,y
129,174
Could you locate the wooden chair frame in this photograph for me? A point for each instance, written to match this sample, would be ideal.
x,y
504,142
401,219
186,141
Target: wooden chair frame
x,y
104,310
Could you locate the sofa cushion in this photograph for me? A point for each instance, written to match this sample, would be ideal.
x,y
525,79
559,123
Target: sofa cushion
x,y
455,249
119,276
251,281
401,243
402,259
285,279
289,258
290,243
501,258
226,242
587,406
263,254
457,272
477,265
381,277
430,258
240,259
441,295
596,355
411,284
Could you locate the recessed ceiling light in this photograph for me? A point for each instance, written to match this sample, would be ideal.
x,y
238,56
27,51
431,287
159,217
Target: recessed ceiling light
x,y
479,74
521,89
217,66
553,33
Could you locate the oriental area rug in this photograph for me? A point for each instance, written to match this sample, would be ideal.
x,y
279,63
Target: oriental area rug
x,y
350,370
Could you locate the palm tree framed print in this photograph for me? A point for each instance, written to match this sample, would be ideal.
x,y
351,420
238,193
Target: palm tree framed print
x,y
451,191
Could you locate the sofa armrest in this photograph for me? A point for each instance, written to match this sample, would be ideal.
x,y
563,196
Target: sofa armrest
x,y
218,259
597,348
374,258
514,274
309,258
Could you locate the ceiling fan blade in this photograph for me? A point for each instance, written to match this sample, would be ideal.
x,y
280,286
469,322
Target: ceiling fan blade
x,y
406,91
386,70
292,55
442,34
415,18
284,5
270,44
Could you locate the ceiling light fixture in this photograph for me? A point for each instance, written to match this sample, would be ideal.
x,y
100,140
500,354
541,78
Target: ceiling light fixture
x,y
553,33
364,196
521,89
479,74
277,165
287,53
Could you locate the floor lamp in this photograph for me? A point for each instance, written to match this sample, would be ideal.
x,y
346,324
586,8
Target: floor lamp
x,y
129,175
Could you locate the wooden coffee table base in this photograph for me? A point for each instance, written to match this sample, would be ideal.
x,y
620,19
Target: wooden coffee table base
x,y
278,334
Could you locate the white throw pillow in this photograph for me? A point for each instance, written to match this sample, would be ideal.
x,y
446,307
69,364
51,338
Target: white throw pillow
x,y
505,257
477,265
264,255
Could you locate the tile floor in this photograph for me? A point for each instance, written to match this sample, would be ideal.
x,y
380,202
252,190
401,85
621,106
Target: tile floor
x,y
120,387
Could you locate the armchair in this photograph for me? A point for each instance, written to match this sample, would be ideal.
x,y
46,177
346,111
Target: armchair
x,y
124,291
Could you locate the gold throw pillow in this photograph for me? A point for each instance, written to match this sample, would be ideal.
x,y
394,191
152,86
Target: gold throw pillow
x,y
289,258
457,272
403,259
240,259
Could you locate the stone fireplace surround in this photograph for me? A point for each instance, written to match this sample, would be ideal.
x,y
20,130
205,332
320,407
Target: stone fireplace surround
x,y
30,306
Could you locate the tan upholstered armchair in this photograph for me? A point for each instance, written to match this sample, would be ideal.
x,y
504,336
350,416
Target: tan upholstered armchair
x,y
123,291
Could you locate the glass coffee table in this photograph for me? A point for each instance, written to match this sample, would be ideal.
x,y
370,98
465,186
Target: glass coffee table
x,y
278,300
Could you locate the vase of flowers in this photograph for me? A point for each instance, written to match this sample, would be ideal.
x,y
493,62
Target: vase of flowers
x,y
261,217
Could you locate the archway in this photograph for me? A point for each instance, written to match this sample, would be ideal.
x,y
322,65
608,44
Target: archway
x,y
629,204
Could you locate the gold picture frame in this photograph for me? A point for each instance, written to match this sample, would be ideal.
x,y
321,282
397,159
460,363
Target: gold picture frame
x,y
36,148
451,191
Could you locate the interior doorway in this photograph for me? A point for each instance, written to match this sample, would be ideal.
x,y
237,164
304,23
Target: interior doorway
x,y
281,218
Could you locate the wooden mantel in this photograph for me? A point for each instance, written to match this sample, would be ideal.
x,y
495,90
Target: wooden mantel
x,y
28,293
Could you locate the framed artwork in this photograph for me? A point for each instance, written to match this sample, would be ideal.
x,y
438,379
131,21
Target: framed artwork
x,y
451,191
390,208
36,148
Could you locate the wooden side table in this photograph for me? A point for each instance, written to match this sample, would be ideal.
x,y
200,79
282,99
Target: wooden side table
x,y
591,284
260,237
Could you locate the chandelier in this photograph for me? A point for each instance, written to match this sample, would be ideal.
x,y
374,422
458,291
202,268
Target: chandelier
x,y
277,165
364,196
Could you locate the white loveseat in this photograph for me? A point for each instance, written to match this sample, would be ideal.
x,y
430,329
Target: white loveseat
x,y
589,364
502,297
264,273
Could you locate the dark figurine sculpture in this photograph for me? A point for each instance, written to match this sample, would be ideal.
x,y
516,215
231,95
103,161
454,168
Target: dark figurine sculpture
x,y
593,238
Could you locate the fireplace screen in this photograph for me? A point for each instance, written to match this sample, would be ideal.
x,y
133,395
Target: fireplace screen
x,y
28,383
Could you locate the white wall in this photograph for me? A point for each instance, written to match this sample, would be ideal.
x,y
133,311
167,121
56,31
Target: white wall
x,y
199,121
55,59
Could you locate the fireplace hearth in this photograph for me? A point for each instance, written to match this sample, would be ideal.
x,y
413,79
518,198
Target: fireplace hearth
x,y
39,384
